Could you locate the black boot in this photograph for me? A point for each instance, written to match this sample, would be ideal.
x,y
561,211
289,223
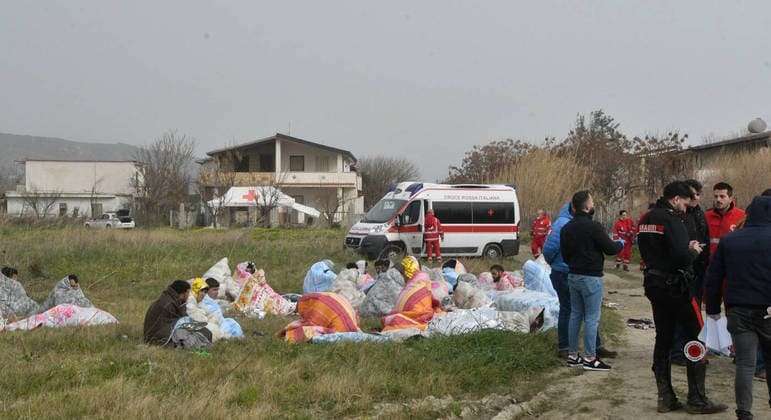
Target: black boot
x,y
667,399
698,403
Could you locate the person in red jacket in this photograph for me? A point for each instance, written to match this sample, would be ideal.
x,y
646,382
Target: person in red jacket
x,y
724,216
432,234
624,229
539,230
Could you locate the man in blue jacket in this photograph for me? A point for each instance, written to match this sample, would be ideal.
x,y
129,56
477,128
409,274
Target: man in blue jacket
x,y
743,258
559,279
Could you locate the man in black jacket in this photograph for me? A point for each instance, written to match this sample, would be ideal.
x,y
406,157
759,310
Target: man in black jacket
x,y
743,258
669,254
582,245
698,230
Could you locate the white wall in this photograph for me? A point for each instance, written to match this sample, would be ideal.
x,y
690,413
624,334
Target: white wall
x,y
79,177
314,157
16,206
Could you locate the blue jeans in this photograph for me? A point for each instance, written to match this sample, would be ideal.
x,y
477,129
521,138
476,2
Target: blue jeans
x,y
559,281
585,306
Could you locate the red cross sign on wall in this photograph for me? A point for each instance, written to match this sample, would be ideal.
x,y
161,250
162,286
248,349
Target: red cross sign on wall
x,y
250,196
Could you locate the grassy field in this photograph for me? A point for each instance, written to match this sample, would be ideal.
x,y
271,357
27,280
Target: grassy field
x,y
107,372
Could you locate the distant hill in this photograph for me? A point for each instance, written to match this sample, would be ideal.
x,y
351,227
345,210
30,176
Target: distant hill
x,y
16,147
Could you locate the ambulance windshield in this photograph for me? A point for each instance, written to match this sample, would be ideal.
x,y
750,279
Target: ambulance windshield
x,y
383,211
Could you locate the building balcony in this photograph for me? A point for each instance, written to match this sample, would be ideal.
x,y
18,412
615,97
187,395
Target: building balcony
x,y
289,179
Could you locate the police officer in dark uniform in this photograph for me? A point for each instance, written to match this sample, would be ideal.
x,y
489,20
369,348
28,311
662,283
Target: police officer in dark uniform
x,y
669,255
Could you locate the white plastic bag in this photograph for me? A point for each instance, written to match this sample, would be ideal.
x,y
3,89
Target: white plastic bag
x,y
715,335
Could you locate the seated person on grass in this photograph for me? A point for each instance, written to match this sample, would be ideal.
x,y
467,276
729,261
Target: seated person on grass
x,y
14,302
67,291
164,313
503,280
228,326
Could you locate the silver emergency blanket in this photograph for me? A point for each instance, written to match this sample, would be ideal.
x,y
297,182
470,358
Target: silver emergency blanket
x,y
14,301
382,296
63,294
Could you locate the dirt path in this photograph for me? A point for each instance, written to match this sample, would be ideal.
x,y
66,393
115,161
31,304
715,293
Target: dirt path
x,y
629,390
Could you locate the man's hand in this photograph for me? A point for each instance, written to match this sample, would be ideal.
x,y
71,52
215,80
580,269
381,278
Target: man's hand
x,y
714,316
695,247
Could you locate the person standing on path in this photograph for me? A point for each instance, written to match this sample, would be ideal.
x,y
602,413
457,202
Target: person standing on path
x,y
583,243
698,230
669,255
724,216
624,229
432,234
539,231
559,280
743,258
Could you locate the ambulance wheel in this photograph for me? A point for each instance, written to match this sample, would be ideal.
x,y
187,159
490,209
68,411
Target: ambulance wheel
x,y
392,252
493,251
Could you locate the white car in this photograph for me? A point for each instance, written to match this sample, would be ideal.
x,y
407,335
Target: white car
x,y
118,220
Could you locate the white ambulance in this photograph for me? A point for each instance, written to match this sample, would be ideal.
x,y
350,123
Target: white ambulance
x,y
478,220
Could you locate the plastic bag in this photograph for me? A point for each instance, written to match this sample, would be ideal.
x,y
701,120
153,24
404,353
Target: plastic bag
x,y
319,278
537,278
715,335
525,300
467,296
346,285
382,296
220,271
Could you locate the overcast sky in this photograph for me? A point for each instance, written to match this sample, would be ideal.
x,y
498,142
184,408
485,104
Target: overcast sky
x,y
426,80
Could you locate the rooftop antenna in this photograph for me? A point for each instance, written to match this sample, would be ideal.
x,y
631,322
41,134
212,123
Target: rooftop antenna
x,y
289,130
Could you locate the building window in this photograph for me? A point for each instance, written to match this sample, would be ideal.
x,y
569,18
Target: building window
x,y
322,164
296,163
267,163
241,165
62,209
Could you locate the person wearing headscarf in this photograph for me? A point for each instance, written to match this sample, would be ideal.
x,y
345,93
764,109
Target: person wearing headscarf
x,y
164,313
198,312
410,266
14,302
67,291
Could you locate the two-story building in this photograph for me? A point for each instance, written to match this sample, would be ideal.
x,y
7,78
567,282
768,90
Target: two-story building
x,y
313,174
78,188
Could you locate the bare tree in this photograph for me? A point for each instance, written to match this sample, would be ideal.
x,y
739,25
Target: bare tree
x,y
213,185
40,202
94,196
164,175
268,196
484,163
379,172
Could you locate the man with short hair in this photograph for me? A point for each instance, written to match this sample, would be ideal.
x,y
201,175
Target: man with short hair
x,y
669,254
743,258
164,313
539,231
624,229
559,280
584,244
724,216
698,230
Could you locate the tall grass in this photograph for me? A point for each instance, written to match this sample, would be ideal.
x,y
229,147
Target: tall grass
x,y
749,173
107,371
545,180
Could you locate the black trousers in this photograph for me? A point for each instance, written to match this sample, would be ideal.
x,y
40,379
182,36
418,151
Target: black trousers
x,y
670,310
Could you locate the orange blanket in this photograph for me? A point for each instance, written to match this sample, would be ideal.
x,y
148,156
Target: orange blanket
x,y
321,313
415,307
